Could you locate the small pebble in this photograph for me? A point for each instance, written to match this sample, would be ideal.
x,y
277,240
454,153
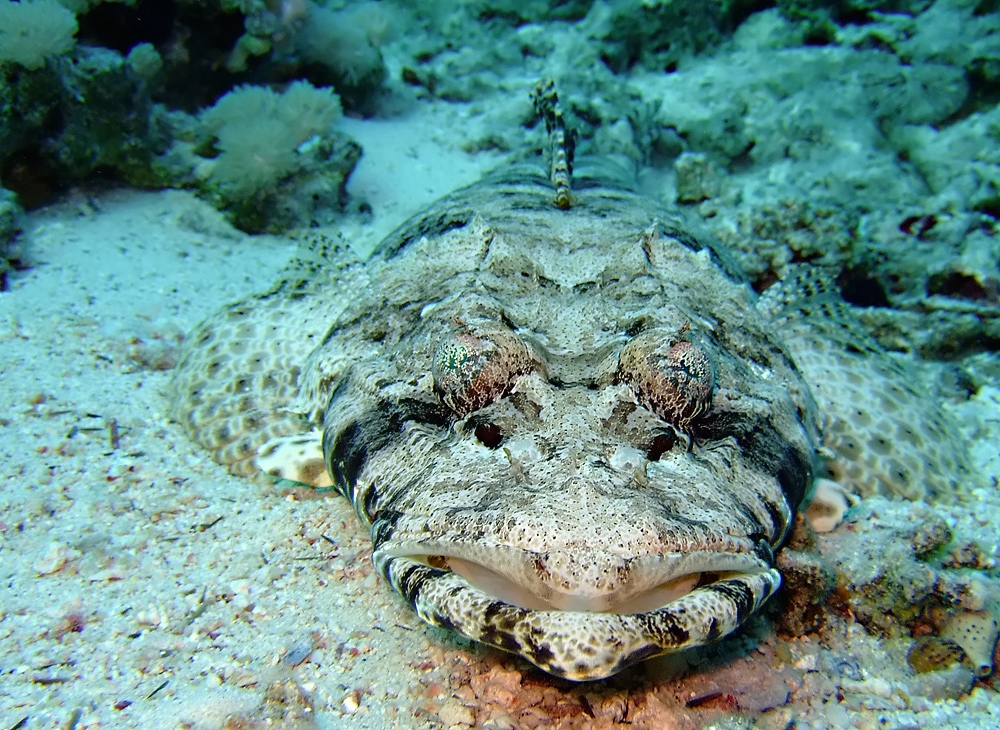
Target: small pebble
x,y
454,713
350,703
299,652
55,559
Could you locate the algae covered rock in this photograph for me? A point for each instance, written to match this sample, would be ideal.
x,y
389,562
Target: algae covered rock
x,y
11,253
901,569
109,119
85,111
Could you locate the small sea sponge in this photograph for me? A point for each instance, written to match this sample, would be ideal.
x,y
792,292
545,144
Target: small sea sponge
x,y
242,103
977,633
254,154
827,505
259,132
33,30
308,110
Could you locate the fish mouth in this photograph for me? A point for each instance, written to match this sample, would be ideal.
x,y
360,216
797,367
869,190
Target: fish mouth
x,y
589,580
583,614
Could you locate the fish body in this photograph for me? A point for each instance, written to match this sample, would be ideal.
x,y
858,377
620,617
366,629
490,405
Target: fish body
x,y
571,433
570,426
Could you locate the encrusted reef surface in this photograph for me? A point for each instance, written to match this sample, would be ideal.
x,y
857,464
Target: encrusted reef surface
x,y
859,136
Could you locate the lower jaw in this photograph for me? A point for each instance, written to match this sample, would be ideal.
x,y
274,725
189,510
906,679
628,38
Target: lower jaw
x,y
580,645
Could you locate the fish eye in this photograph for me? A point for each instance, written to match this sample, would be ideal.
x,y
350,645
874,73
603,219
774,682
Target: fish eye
x,y
673,378
474,368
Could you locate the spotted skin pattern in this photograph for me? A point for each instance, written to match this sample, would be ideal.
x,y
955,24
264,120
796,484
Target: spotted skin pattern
x,y
571,432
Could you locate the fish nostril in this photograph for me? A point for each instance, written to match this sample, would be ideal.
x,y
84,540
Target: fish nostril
x,y
489,435
762,549
660,444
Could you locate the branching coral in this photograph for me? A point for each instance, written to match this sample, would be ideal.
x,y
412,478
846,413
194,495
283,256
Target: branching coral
x,y
33,30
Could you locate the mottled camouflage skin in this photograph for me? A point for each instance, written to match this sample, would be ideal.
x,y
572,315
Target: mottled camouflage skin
x,y
526,484
590,496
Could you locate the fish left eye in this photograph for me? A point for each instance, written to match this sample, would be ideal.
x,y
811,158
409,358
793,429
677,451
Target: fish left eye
x,y
674,379
473,368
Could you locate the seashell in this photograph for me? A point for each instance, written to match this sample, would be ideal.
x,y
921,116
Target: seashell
x,y
977,633
931,653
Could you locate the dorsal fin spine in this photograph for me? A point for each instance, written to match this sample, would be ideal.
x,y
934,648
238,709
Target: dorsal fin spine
x,y
561,140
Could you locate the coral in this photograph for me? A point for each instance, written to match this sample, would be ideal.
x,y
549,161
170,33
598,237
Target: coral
x,y
344,50
11,253
60,122
248,45
697,179
258,133
146,61
274,158
806,585
109,119
960,162
379,23
33,30
766,235
238,104
308,110
255,154
659,33
957,32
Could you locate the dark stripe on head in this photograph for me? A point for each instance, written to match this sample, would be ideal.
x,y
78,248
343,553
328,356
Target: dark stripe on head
x,y
347,451
778,519
421,411
663,626
383,527
774,455
411,579
738,594
423,225
795,474
368,504
714,631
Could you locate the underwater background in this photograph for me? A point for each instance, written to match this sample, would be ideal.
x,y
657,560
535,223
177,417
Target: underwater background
x,y
160,158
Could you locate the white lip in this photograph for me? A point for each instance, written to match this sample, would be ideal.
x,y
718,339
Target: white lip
x,y
584,579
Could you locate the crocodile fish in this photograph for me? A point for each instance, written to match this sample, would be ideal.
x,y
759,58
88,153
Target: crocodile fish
x,y
574,431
